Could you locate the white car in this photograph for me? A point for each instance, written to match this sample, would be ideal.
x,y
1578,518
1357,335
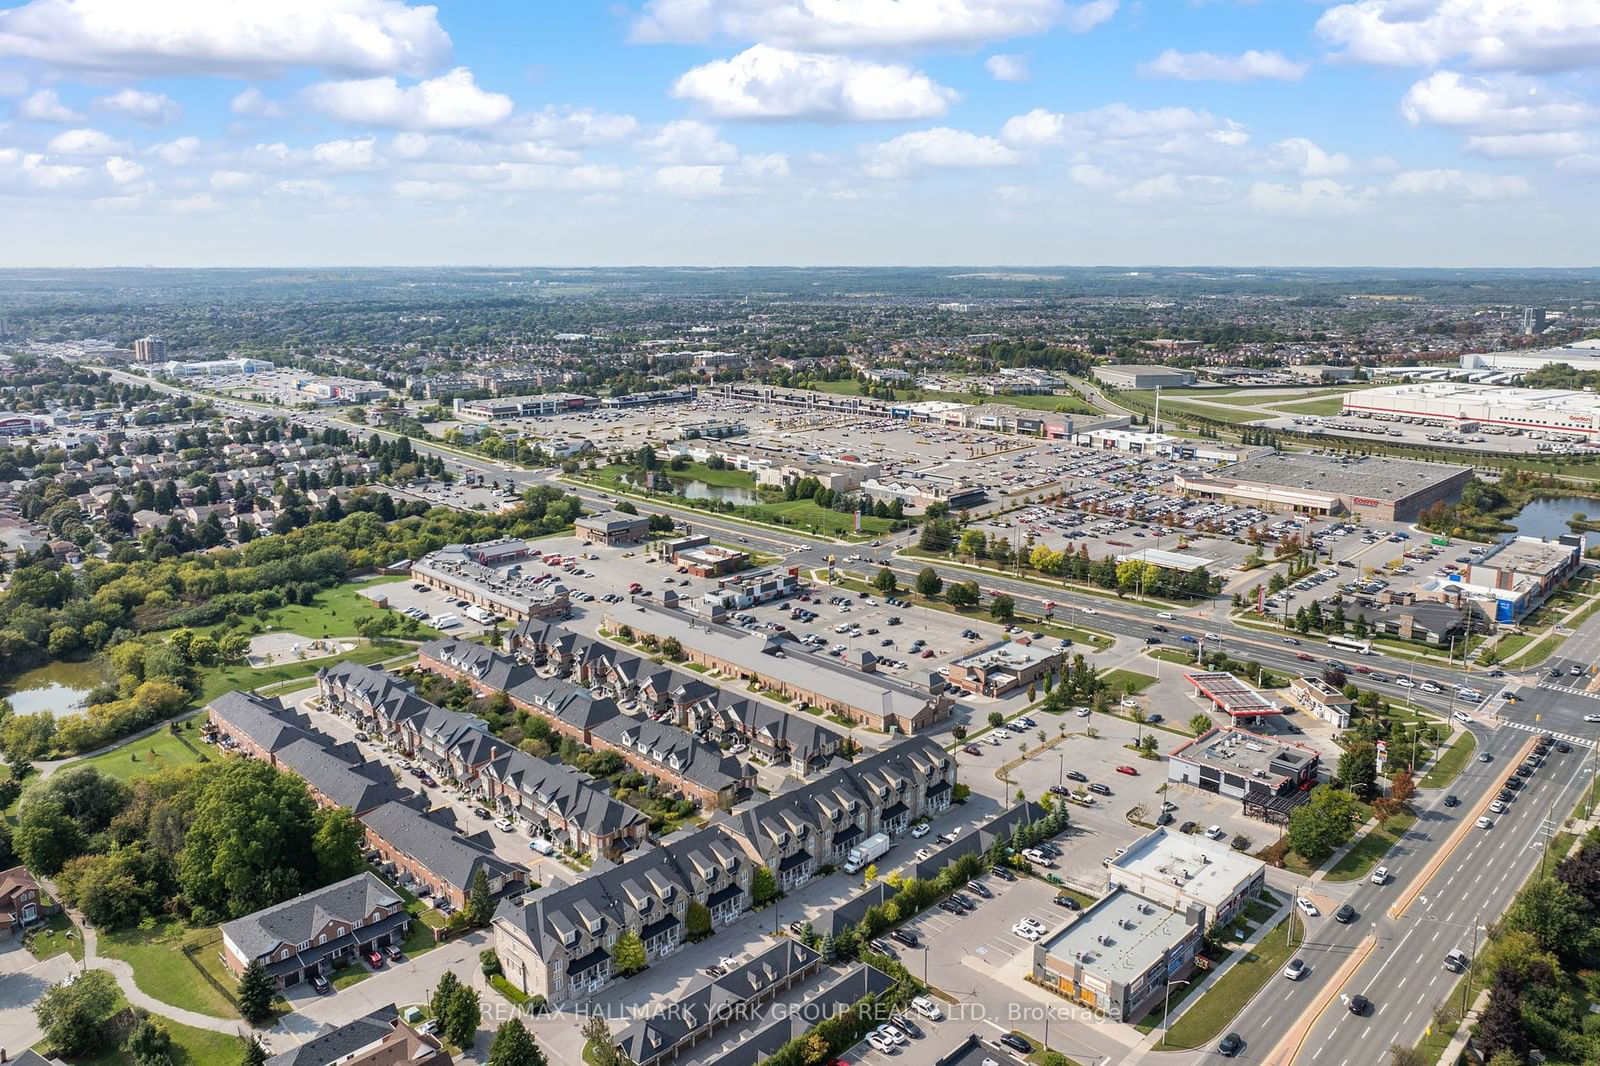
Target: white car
x,y
919,830
891,1034
505,825
1498,807
1307,908
1485,823
1129,702
1295,970
927,1008
1032,923
1591,718
1405,682
1165,616
1027,933
1082,712
1003,734
1214,832
1380,876
879,1044
1089,610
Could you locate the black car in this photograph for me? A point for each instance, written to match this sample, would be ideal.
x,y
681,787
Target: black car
x,y
1155,719
906,937
1563,747
1451,801
1004,874
980,888
1506,795
1188,827
1159,629
1230,1045
1075,775
1061,790
1514,783
946,905
1100,790
1345,915
320,984
963,902
1358,1004
1524,770
1017,1044
1066,901
906,1026
1152,640
1164,818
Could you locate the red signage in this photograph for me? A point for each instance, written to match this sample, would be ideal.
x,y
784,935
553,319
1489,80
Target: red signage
x,y
1362,501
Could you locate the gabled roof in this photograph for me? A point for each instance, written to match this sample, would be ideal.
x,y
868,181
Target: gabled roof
x,y
268,724
432,840
675,750
297,920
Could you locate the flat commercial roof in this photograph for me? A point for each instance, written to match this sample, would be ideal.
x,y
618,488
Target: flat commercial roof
x,y
1121,936
1244,753
1167,560
1372,476
1527,555
1207,871
1009,655
1230,694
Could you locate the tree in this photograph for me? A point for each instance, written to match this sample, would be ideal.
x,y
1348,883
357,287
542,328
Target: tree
x,y
254,1052
628,955
599,1048
337,844
513,1045
46,836
996,719
459,1022
439,1002
963,594
885,582
480,904
1321,826
74,1016
1358,767
1501,1030
697,922
1401,788
249,844
929,583
149,1044
1199,723
763,887
1558,918
1002,608
255,993
870,874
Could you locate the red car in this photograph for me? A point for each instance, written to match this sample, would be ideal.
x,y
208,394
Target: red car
x,y
1303,657
1363,669
375,958
1130,771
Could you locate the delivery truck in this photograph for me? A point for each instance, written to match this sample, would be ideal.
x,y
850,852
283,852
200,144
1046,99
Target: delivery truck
x,y
868,851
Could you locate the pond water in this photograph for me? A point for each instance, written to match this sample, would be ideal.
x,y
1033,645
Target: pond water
x,y
60,688
1548,517
690,489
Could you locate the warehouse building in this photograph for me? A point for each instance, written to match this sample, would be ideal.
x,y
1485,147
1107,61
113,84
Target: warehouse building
x,y
1581,355
1396,490
1143,377
1460,405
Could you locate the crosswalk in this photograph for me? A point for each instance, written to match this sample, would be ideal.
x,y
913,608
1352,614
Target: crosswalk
x,y
1568,737
1569,690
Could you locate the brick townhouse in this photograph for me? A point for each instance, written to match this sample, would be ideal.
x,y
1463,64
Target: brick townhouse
x,y
314,933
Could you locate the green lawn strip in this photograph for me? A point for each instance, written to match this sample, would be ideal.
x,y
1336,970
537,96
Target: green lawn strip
x,y
1452,762
1046,583
786,514
1512,644
150,754
1094,638
177,965
52,940
1329,405
1538,653
1065,403
1206,1017
1043,1056
1123,682
419,934
352,974
1374,845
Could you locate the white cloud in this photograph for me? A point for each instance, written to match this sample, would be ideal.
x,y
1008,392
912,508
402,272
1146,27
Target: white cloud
x,y
1306,158
12,83
843,25
1529,35
1008,68
85,141
448,148
450,101
1118,127
347,154
1521,145
252,102
691,182
232,180
688,141
769,165
199,203
231,38
179,152
46,106
1165,188
571,126
1209,66
122,171
1090,176
767,82
1034,129
940,148
430,191
33,171
154,109
1318,196
1446,98
1460,185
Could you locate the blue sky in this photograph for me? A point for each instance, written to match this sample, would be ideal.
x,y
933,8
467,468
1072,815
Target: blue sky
x,y
308,132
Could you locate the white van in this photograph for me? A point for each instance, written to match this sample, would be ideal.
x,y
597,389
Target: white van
x,y
542,846
927,1008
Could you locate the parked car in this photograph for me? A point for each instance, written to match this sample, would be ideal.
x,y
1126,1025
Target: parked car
x,y
1130,771
906,937
1017,1044
1307,908
1066,901
375,959
320,985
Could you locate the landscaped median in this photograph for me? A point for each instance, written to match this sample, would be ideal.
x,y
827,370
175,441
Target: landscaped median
x,y
1205,1018
1452,762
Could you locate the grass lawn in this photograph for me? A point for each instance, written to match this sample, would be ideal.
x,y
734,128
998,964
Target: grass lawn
x,y
419,934
1208,1016
1538,653
1359,860
805,514
333,612
1065,402
852,387
52,940
1452,762
353,974
147,755
217,680
192,1047
1124,681
177,965
1329,405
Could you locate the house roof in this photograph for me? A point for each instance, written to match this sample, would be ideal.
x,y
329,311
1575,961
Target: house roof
x,y
296,920
433,841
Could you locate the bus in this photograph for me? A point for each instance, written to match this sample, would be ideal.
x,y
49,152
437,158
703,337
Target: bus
x,y
1360,647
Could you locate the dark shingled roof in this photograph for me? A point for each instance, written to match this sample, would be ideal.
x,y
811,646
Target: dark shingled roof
x,y
296,920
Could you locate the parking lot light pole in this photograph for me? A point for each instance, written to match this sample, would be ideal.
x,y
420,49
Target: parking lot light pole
x,y
1166,1009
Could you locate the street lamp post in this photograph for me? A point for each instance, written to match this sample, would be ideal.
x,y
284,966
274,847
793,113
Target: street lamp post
x,y
1166,1009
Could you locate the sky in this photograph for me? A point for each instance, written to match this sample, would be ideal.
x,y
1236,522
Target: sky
x,y
804,132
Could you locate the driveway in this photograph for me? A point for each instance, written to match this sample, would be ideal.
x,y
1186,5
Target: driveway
x,y
22,982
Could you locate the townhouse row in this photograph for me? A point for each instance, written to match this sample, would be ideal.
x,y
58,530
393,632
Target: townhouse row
x,y
563,804
796,741
558,943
